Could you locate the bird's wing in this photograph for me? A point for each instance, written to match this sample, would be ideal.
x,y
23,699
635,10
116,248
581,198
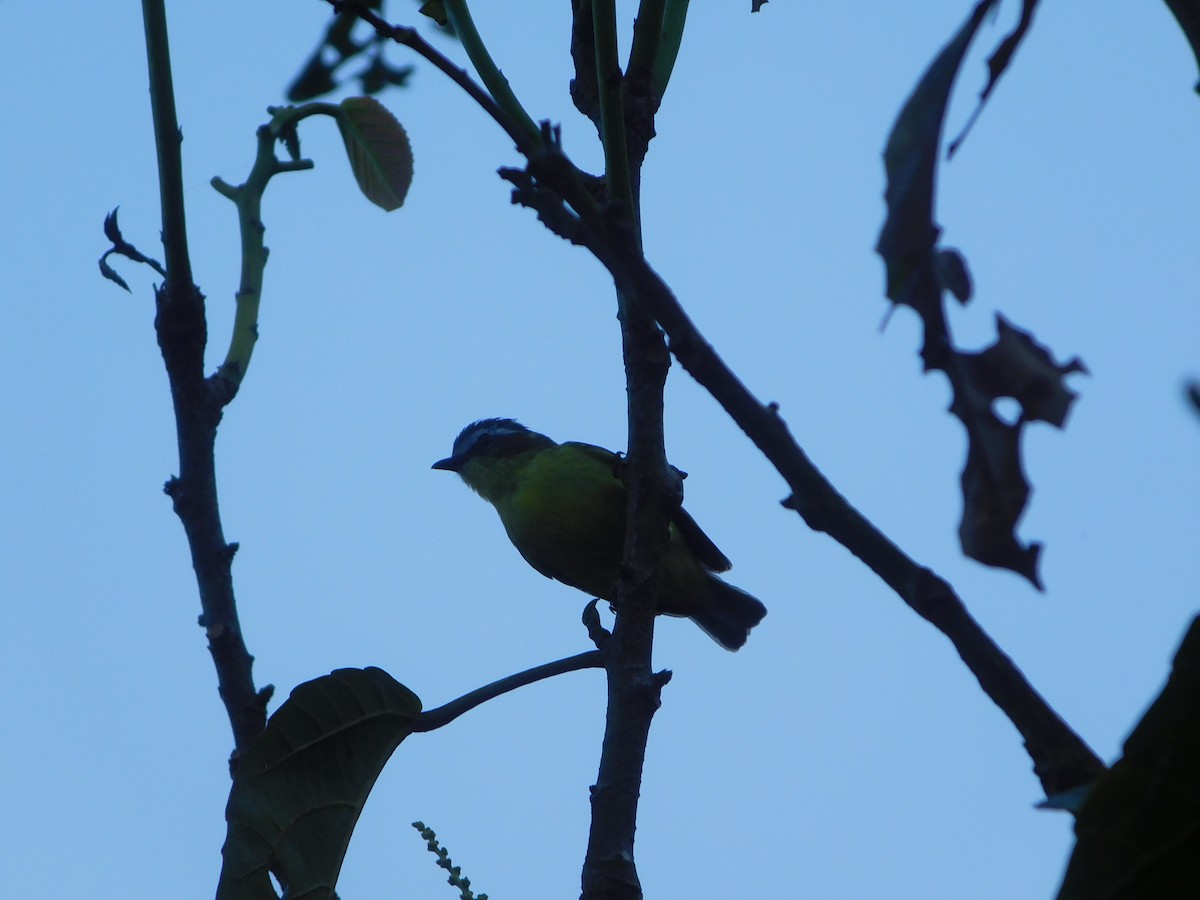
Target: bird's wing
x,y
605,457
706,552
701,545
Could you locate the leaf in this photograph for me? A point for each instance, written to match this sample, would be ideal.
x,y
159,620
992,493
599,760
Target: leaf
x,y
112,230
1017,366
301,786
1187,14
110,273
436,10
122,247
909,234
997,63
1138,833
995,491
378,149
337,47
994,494
379,75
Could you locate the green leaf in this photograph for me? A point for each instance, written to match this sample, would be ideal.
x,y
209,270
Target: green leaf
x,y
378,149
301,786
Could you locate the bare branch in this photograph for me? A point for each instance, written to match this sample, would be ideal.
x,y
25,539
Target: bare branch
x,y
182,335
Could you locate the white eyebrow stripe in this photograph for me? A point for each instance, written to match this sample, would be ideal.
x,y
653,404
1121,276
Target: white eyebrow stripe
x,y
466,442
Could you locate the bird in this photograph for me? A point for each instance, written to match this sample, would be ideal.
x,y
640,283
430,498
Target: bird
x,y
563,506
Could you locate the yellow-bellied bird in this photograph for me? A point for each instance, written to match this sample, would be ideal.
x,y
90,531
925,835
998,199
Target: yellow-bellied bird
x,y
563,506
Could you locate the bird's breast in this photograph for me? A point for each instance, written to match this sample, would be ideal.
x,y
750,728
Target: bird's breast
x,y
567,518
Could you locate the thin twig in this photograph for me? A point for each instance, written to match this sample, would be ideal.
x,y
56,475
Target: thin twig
x,y
528,143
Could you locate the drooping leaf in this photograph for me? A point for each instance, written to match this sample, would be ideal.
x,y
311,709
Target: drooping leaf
x,y
909,234
110,273
378,149
1187,14
999,60
301,786
995,491
997,63
1138,833
1017,366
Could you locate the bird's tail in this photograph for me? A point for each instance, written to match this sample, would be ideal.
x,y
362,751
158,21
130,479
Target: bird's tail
x,y
730,616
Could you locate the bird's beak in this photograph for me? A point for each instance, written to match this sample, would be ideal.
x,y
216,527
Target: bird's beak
x,y
450,464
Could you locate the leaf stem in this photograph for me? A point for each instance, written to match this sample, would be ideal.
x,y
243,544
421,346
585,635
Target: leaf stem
x,y
674,19
647,32
444,715
493,79
618,177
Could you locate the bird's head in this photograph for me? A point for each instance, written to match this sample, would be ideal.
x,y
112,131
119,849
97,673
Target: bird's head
x,y
489,453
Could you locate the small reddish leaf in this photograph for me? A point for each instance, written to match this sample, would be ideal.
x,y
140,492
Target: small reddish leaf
x,y
378,150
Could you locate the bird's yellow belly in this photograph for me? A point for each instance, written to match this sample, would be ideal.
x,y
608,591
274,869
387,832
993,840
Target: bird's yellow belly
x,y
568,521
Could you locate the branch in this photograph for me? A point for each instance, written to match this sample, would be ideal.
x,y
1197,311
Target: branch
x,y
1061,758
167,141
182,334
634,689
248,199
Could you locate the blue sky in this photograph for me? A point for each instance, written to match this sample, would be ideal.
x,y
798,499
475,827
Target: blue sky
x,y
845,752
